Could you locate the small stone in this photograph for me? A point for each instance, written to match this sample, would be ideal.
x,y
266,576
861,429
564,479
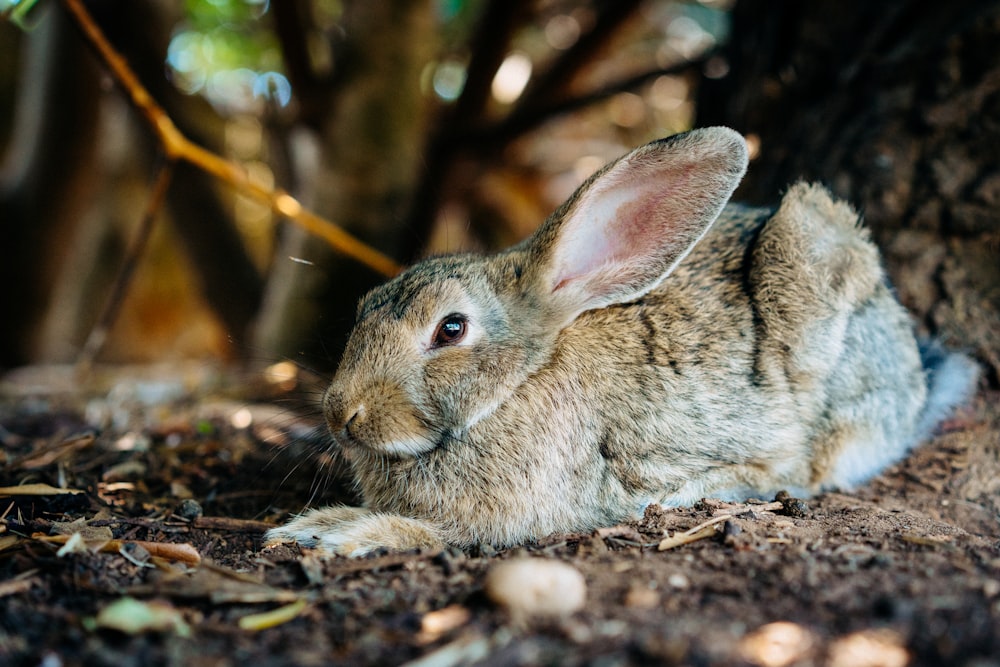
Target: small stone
x,y
189,509
791,506
536,587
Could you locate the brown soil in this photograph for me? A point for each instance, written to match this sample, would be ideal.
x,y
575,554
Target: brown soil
x,y
903,571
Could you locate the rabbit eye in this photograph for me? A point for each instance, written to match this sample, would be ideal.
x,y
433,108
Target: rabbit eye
x,y
450,330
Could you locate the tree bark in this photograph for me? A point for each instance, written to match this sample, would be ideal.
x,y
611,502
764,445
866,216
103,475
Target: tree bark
x,y
44,177
895,106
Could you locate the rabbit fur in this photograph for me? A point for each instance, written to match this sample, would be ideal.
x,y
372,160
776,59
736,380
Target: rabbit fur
x,y
630,352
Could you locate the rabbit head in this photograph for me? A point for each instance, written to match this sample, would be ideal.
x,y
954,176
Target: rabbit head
x,y
444,344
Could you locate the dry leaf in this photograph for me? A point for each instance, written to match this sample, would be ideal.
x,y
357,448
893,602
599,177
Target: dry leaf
x,y
436,624
275,617
35,490
133,617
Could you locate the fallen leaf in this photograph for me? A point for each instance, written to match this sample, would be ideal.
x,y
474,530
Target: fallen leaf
x,y
217,584
186,553
74,544
9,542
83,528
463,651
927,540
49,453
436,624
133,617
275,617
35,490
19,585
621,532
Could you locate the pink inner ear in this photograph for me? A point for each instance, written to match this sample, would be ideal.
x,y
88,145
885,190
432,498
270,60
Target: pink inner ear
x,y
622,225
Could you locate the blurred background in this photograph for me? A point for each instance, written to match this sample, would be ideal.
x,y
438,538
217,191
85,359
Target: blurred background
x,y
428,126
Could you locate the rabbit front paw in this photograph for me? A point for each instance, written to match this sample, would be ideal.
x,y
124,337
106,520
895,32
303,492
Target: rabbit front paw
x,y
356,531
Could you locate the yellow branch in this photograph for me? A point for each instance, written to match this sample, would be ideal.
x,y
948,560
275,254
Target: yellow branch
x,y
178,147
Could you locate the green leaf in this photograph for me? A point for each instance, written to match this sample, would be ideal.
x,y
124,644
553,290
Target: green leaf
x,y
19,12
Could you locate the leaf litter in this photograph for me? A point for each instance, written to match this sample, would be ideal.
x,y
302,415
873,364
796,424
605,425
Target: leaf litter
x,y
149,526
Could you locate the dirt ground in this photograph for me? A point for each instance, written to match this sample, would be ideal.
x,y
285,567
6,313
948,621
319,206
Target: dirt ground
x,y
905,571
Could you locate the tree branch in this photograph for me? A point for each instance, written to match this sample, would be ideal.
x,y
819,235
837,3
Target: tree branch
x,y
552,84
112,306
491,39
289,26
528,118
178,147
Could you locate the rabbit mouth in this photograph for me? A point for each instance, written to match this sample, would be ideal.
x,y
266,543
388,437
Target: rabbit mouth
x,y
373,427
405,447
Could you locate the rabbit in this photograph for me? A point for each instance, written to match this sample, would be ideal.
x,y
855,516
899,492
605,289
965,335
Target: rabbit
x,y
648,344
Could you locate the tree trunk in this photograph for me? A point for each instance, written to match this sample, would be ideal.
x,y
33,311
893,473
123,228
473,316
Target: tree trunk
x,y
371,140
44,178
895,106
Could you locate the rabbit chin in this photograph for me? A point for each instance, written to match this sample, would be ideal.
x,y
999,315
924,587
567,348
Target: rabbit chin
x,y
409,447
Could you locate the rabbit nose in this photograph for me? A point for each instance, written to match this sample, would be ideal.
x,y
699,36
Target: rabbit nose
x,y
341,413
359,416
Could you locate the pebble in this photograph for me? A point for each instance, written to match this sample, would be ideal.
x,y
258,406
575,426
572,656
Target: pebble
x,y
536,587
189,509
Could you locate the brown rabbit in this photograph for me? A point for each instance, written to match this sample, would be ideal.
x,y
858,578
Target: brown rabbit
x,y
629,352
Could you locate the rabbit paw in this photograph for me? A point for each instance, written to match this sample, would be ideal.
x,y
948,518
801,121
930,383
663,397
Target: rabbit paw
x,y
355,531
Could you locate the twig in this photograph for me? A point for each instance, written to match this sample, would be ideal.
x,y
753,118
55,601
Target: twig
x,y
463,651
231,525
99,334
341,566
489,44
553,83
183,552
52,451
36,489
526,118
708,528
18,586
275,617
727,510
178,147
464,128
699,532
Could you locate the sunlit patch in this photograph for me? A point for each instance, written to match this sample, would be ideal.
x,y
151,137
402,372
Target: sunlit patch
x,y
669,92
448,80
869,648
562,31
777,644
287,205
586,166
241,419
115,493
436,624
626,110
132,441
284,375
753,145
273,86
511,78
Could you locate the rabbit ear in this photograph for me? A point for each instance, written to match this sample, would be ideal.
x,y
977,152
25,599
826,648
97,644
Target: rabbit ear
x,y
629,225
